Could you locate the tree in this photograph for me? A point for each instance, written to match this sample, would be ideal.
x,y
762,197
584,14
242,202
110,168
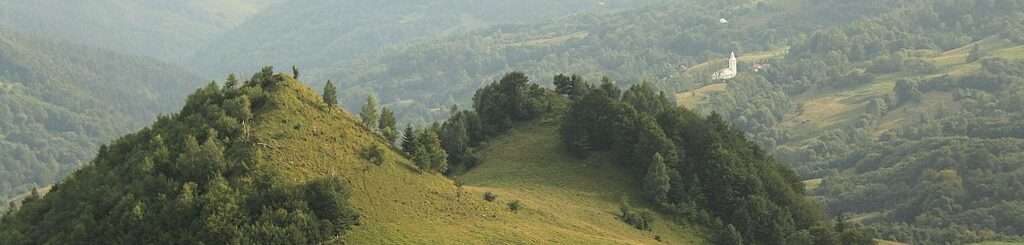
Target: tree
x,y
730,236
573,86
409,140
656,183
239,108
455,139
512,99
429,154
610,89
387,125
976,53
295,72
369,114
231,82
644,98
907,90
330,94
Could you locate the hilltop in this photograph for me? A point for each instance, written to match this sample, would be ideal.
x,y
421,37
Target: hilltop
x,y
270,150
266,160
401,204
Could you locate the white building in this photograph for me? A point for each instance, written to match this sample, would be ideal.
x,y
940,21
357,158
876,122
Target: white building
x,y
727,73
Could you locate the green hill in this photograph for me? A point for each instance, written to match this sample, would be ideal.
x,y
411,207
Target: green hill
x,y
59,102
578,196
401,205
270,147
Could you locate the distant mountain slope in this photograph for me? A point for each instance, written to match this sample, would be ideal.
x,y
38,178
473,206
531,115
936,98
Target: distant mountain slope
x,y
167,30
909,121
649,43
321,34
60,101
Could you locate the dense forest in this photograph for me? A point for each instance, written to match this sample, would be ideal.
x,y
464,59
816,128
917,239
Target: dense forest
x,y
61,101
923,142
193,177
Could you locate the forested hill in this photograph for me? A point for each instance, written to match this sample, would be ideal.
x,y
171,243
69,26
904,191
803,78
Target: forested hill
x,y
650,43
908,122
266,161
321,34
198,176
60,101
166,30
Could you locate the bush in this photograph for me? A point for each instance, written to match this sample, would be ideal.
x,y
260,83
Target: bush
x,y
490,197
374,154
515,206
641,220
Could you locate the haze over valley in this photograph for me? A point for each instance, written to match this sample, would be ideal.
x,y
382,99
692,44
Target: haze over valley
x,y
512,122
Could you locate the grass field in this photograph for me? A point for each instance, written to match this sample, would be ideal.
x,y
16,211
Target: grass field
x,y
691,99
571,193
812,184
566,201
999,243
824,109
714,65
884,242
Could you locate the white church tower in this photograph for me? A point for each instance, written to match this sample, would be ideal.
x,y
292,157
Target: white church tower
x,y
732,62
727,73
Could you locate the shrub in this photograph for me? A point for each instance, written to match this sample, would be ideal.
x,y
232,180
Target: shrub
x,y
641,220
374,154
515,206
490,197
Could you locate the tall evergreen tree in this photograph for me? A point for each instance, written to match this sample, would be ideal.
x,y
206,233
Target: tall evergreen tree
x,y
231,82
656,183
409,141
370,113
330,94
387,125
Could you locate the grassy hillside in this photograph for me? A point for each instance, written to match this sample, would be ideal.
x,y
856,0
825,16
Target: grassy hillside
x,y
59,101
578,196
400,205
